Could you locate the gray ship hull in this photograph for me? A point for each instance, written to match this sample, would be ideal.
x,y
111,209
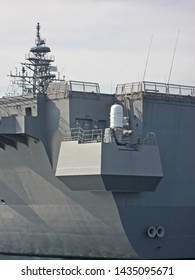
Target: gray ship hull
x,y
90,175
40,215
43,217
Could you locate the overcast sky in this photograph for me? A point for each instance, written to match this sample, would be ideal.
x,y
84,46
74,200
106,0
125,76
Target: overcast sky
x,y
104,41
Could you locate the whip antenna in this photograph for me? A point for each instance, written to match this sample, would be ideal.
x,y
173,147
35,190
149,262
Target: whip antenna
x,y
173,57
147,58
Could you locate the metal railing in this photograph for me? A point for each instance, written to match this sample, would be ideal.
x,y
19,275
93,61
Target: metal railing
x,y
30,56
154,87
97,135
58,88
84,86
129,88
83,136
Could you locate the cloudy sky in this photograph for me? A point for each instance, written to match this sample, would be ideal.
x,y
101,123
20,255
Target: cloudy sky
x,y
105,41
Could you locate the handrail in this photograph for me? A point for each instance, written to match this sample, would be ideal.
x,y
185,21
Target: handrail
x,y
97,135
83,136
155,87
84,86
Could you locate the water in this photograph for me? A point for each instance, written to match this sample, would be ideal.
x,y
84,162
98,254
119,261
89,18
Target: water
x,y
23,257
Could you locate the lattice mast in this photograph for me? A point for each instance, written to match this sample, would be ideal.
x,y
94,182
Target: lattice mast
x,y
37,72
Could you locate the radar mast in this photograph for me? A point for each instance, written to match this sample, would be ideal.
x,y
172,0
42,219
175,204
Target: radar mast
x,y
37,73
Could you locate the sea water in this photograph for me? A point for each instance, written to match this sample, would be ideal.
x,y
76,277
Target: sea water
x,y
23,257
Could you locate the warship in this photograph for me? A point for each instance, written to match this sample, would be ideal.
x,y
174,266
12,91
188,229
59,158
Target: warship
x,y
90,175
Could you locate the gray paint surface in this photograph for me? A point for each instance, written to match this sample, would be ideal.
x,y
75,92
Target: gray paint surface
x,y
43,216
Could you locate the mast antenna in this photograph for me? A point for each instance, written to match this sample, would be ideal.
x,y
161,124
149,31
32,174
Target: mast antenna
x,y
37,41
147,58
40,70
173,57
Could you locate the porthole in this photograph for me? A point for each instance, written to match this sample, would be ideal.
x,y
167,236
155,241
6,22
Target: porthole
x,y
3,202
151,231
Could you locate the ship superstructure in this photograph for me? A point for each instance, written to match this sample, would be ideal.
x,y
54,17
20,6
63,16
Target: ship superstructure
x,y
86,174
